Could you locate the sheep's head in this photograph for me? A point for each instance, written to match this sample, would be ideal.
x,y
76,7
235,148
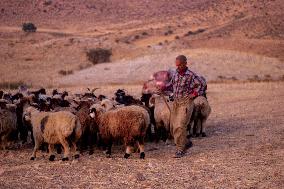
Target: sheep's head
x,y
92,112
96,109
107,104
27,114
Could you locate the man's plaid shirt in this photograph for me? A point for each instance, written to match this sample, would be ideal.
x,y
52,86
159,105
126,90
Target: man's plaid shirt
x,y
187,83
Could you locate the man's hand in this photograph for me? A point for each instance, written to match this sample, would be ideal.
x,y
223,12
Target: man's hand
x,y
193,95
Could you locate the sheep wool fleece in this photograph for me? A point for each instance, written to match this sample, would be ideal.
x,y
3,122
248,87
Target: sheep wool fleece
x,y
180,118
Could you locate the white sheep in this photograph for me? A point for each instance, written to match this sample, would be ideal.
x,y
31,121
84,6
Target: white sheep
x,y
162,112
54,128
199,116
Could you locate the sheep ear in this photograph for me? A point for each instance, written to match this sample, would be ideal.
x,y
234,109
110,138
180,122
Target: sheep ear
x,y
152,101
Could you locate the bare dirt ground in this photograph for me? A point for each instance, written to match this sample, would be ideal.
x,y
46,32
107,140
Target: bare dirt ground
x,y
244,149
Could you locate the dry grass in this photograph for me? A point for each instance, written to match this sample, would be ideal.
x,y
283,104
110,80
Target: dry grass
x,y
244,149
99,55
12,85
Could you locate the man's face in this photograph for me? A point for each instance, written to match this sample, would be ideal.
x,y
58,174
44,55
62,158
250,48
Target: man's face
x,y
180,65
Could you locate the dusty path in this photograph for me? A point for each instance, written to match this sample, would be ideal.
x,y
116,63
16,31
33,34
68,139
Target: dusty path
x,y
244,149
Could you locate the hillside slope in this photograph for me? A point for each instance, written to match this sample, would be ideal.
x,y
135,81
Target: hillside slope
x,y
132,29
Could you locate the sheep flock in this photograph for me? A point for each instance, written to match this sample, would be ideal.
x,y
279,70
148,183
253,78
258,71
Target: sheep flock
x,y
73,123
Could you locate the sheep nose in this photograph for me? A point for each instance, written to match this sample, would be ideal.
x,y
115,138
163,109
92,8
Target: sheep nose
x,y
26,117
92,114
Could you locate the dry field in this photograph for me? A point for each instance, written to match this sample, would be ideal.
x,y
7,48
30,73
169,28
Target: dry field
x,y
244,149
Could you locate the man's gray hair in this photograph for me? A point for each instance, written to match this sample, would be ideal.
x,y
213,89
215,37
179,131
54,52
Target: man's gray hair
x,y
182,58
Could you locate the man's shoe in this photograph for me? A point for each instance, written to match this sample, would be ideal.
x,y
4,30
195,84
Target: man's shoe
x,y
179,154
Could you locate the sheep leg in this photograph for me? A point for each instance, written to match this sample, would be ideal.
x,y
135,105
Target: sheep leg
x,y
83,141
194,130
4,142
66,149
149,132
128,151
58,148
164,134
109,145
141,148
199,127
32,137
23,132
158,133
77,153
189,129
203,134
51,152
91,141
37,145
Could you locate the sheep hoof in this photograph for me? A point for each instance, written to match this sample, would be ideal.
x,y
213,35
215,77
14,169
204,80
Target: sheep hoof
x,y
76,156
188,145
59,150
65,159
51,158
193,136
142,155
32,158
197,135
126,155
203,134
108,156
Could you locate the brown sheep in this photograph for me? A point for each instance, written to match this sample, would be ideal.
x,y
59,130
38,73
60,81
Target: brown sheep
x,y
89,131
54,128
128,123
